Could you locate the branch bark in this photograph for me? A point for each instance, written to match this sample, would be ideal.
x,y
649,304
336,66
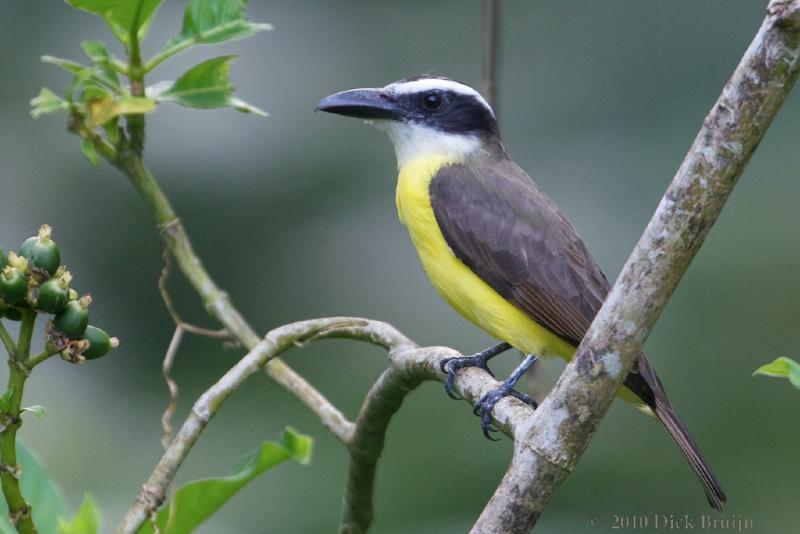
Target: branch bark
x,y
547,450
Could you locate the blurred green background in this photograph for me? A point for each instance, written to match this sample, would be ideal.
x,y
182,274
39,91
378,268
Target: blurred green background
x,y
294,215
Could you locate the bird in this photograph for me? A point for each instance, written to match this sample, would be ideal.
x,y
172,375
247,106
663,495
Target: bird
x,y
494,245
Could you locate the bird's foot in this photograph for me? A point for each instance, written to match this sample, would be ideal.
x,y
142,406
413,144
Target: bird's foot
x,y
451,365
483,408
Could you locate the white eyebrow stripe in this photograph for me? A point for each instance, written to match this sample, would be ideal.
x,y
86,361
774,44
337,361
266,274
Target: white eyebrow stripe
x,y
427,84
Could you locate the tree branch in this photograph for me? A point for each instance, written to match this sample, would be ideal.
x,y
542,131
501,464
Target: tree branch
x,y
275,342
491,14
556,436
410,366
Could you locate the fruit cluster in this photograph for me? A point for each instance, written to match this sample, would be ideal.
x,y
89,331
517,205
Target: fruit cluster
x,y
34,278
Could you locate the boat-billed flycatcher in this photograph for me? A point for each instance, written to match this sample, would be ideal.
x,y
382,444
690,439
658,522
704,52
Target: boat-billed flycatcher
x,y
493,244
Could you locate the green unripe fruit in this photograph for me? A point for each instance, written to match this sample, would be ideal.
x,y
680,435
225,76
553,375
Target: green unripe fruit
x,y
12,314
27,246
74,318
13,285
53,296
99,342
41,251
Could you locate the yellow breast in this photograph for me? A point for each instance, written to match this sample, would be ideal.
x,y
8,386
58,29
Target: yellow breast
x,y
458,285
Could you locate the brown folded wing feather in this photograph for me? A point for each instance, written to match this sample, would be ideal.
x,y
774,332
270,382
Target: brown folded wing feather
x,y
508,232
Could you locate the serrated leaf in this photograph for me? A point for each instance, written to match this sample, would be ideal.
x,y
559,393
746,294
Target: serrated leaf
x,y
37,409
783,368
103,109
204,86
120,14
45,498
198,500
85,521
212,21
88,150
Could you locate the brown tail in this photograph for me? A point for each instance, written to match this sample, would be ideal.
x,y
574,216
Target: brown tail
x,y
643,381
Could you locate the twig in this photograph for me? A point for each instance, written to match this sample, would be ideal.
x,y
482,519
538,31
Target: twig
x,y
166,270
169,358
19,511
216,301
491,26
547,451
166,372
382,402
410,366
274,343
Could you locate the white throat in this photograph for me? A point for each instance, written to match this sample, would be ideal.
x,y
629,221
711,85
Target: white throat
x,y
414,141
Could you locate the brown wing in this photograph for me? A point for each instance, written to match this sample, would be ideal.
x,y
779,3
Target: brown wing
x,y
513,236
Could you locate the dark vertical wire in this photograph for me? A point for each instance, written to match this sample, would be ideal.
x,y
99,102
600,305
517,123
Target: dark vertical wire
x,y
491,27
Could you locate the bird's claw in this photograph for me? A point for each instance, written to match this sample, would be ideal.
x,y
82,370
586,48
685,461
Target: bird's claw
x,y
450,366
483,408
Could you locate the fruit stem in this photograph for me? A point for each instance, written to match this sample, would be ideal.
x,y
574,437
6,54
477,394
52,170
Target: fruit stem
x,y
8,341
33,361
19,511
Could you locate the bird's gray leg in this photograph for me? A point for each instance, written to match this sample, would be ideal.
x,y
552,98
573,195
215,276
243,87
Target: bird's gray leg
x,y
484,406
451,365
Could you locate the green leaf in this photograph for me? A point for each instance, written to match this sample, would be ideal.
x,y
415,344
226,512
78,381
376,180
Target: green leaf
x,y
209,22
37,410
87,87
68,65
120,14
205,86
198,500
101,59
100,74
85,521
783,368
5,399
112,130
40,492
47,102
88,150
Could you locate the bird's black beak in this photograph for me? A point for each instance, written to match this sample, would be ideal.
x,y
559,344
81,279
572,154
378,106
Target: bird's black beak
x,y
362,104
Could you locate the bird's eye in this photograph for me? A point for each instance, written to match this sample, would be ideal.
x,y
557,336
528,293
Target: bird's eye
x,y
432,101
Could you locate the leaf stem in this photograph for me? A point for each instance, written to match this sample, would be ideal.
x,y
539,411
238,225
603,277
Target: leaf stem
x,y
19,511
167,53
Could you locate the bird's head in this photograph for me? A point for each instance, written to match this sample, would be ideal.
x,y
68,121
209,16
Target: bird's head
x,y
424,116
